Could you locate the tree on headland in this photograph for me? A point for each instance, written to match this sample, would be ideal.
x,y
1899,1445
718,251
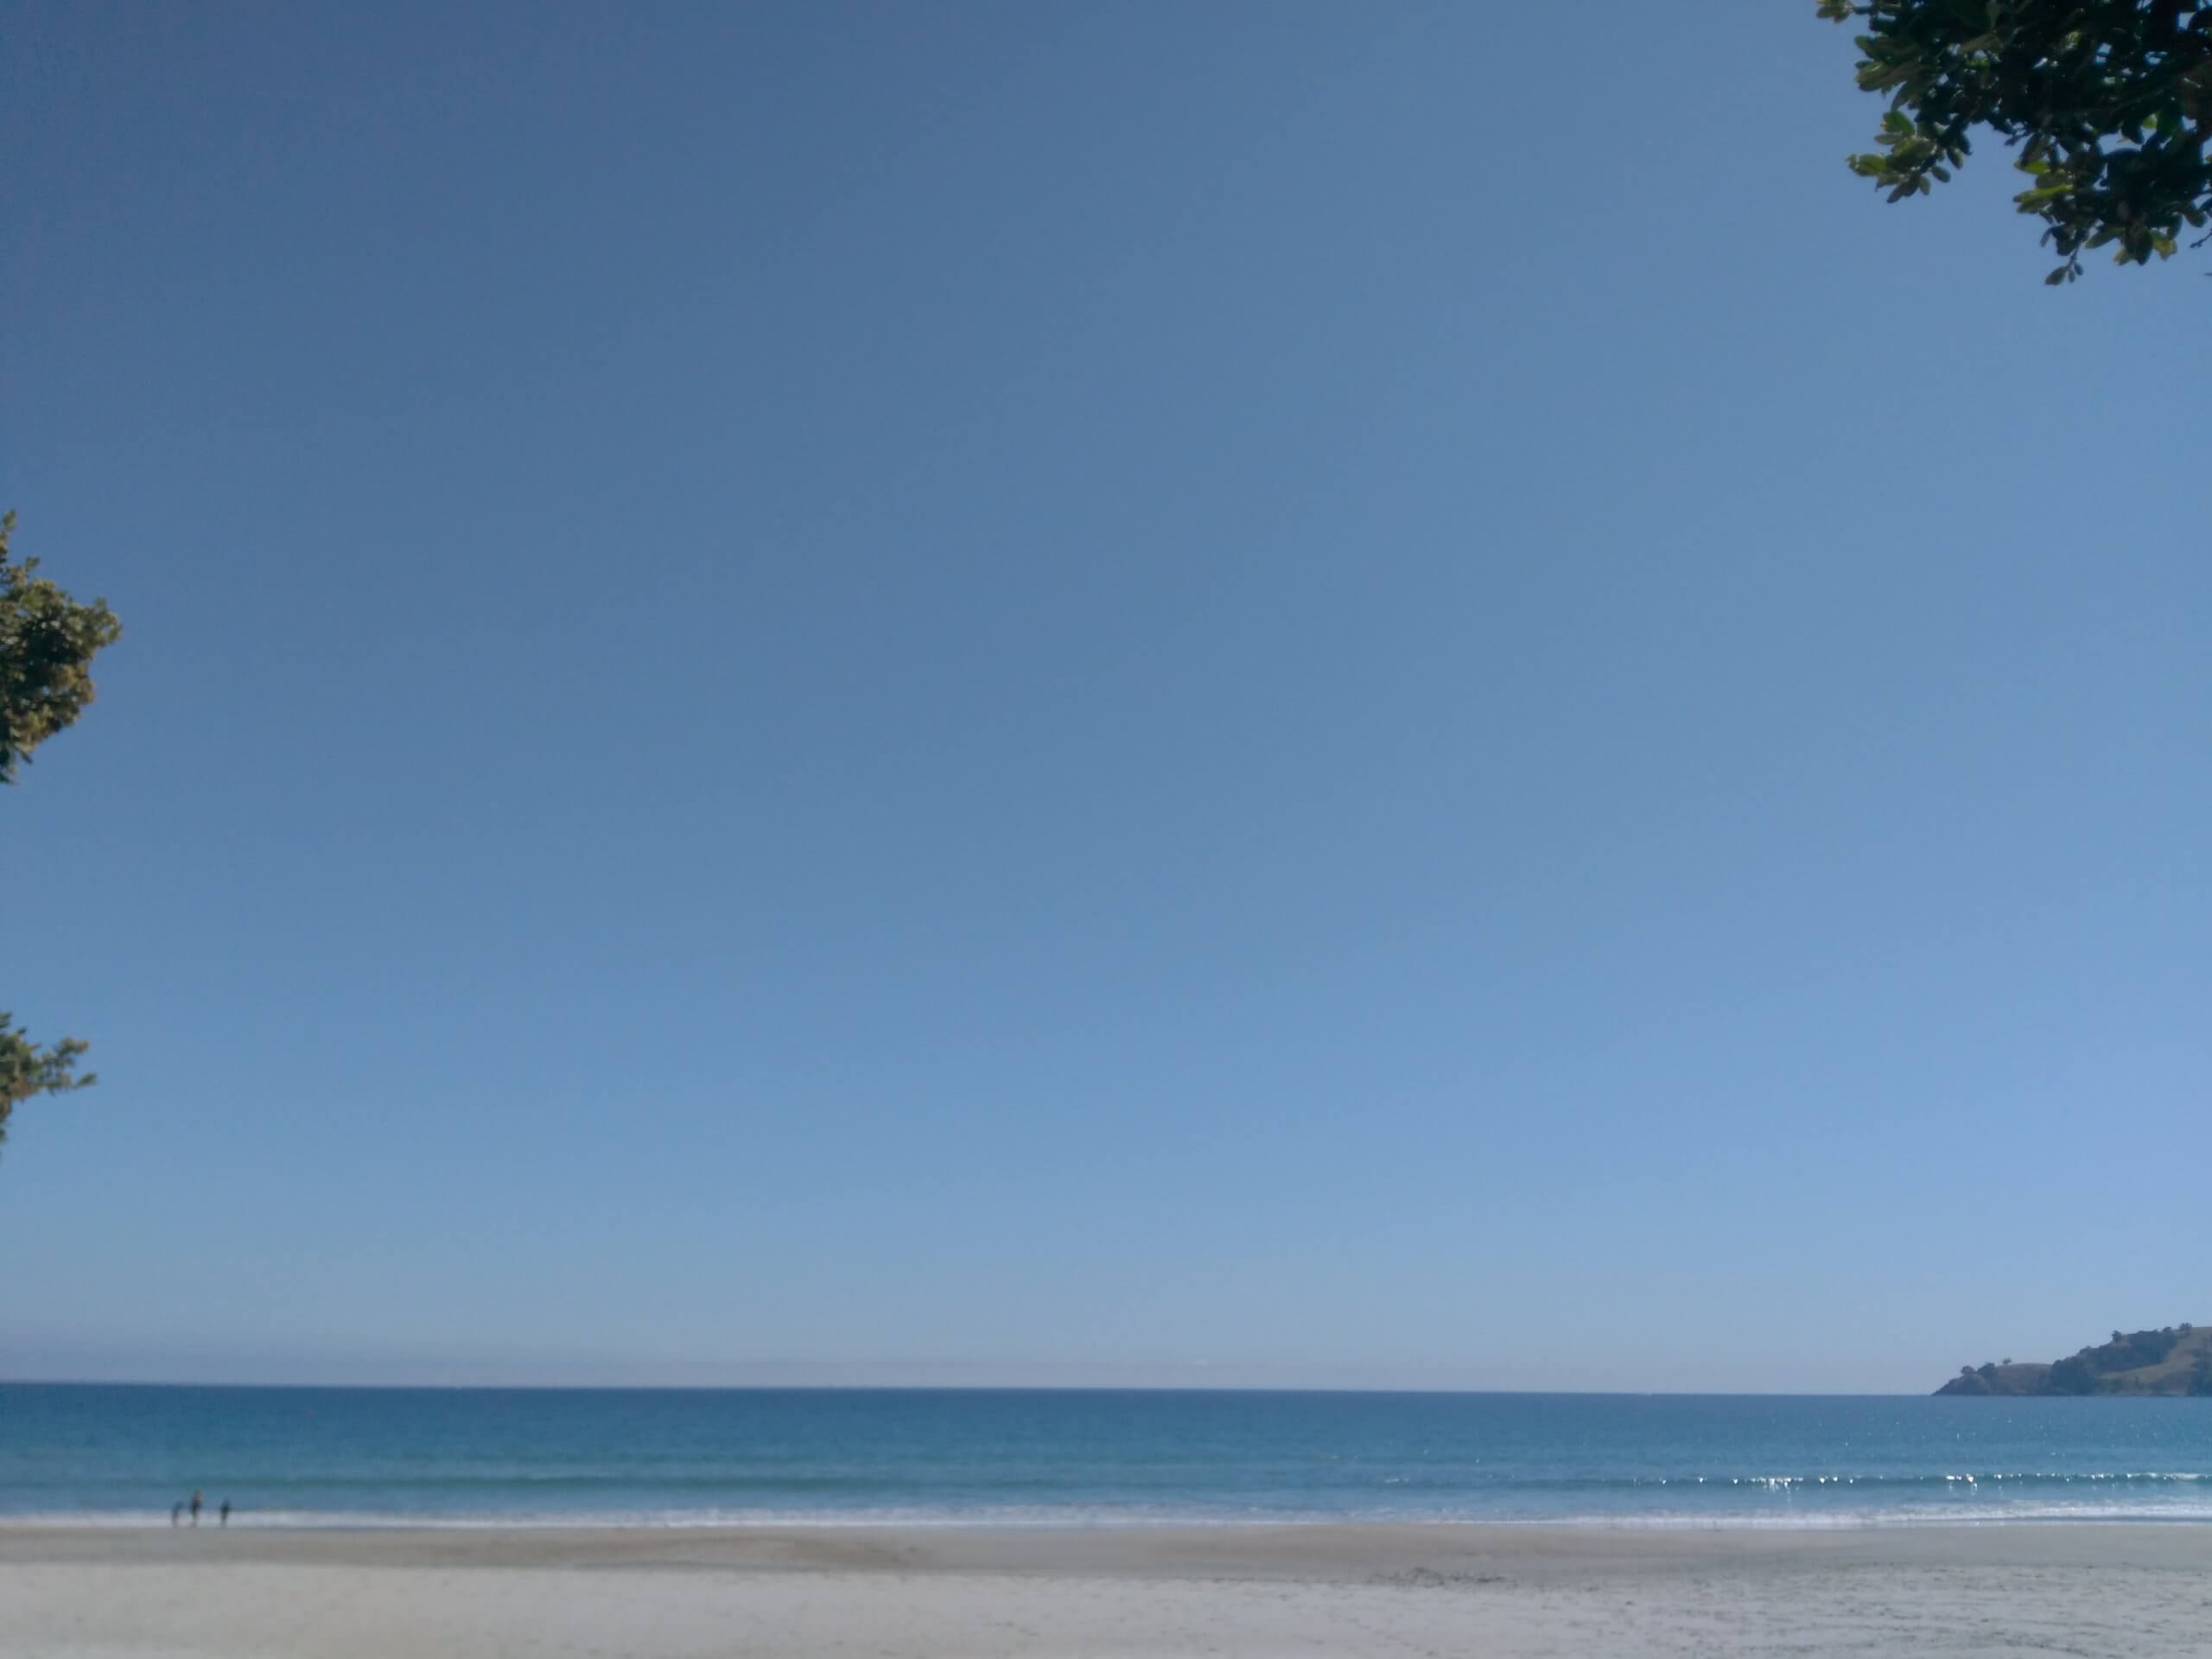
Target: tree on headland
x,y
2108,102
48,641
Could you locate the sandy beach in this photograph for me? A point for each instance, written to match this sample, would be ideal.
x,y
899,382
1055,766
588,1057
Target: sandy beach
x,y
77,1594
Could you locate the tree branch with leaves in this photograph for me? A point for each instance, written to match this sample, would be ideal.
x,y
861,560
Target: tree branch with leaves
x,y
48,641
2109,105
47,644
27,1070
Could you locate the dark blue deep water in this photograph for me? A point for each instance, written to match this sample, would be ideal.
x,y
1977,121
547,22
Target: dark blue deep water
x,y
374,1456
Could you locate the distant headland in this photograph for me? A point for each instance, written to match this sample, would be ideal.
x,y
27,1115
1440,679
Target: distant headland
x,y
2176,1360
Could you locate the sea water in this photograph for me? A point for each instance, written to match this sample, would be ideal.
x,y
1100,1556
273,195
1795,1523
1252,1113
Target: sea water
x,y
367,1457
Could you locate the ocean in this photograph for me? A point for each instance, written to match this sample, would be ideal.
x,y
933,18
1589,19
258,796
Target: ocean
x,y
376,1457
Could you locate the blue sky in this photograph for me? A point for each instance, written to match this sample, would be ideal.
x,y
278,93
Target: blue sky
x,y
1306,693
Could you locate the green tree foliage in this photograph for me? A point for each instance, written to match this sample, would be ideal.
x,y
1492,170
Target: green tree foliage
x,y
47,644
28,1070
2071,1376
2127,1351
2108,102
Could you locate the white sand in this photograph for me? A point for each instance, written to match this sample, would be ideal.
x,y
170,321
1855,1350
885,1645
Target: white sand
x,y
1341,1591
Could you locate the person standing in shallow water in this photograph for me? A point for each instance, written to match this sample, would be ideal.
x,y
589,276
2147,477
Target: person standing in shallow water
x,y
223,1514
196,1506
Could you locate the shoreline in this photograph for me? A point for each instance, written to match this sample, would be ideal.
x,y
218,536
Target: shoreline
x,y
1314,1550
279,1523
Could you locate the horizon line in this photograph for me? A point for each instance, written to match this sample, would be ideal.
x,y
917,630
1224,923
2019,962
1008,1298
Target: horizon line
x,y
956,1388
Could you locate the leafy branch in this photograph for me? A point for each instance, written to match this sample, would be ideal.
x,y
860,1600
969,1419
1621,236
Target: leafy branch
x,y
2109,105
27,1070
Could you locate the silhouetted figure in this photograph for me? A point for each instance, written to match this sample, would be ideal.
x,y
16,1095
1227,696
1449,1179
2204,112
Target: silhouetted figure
x,y
225,1514
196,1506
176,1515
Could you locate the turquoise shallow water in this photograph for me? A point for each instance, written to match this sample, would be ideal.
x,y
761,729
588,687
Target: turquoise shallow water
x,y
463,1457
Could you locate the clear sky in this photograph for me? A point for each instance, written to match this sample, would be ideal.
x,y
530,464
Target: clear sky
x,y
1350,692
